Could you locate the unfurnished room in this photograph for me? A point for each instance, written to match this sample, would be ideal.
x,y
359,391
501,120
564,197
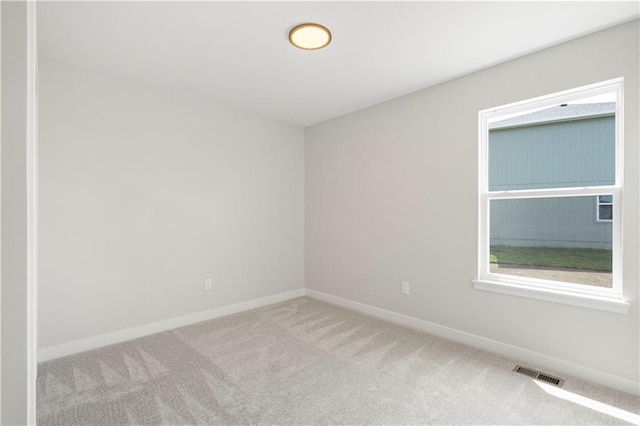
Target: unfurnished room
x,y
305,213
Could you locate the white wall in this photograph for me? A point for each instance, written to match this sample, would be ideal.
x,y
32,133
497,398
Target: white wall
x,y
391,196
144,194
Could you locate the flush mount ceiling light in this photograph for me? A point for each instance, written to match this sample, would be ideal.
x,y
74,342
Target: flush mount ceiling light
x,y
310,36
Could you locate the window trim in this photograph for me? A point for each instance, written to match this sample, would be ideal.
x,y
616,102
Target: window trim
x,y
609,299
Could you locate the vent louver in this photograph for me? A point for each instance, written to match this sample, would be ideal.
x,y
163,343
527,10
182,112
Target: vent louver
x,y
537,375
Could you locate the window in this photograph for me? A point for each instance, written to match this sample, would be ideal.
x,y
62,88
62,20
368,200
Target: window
x,y
604,210
544,164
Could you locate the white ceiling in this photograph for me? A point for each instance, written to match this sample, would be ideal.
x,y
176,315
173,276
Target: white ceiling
x,y
237,55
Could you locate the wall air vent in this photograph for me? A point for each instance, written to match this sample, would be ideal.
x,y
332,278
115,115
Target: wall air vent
x,y
537,375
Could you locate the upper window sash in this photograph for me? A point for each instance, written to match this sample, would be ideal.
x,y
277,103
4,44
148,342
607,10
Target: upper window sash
x,y
518,108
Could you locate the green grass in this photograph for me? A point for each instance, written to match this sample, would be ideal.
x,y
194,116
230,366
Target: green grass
x,y
553,257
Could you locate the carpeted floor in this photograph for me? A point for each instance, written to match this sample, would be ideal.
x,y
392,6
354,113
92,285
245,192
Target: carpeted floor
x,y
305,362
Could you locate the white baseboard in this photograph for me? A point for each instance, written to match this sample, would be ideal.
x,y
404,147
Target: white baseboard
x,y
535,359
77,346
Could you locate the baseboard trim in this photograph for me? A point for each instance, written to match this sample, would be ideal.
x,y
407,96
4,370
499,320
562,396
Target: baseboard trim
x,y
535,359
77,346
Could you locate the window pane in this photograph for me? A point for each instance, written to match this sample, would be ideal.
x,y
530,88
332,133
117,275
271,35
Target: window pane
x,y
605,198
569,145
551,238
605,212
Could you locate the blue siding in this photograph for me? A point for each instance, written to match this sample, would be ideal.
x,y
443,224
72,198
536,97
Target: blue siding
x,y
553,155
549,222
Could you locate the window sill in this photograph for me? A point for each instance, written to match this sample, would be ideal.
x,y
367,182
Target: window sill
x,y
558,296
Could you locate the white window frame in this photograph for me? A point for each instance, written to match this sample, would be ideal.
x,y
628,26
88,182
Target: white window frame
x,y
609,299
600,203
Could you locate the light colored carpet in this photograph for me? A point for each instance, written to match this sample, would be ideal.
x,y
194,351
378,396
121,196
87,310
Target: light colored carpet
x,y
304,362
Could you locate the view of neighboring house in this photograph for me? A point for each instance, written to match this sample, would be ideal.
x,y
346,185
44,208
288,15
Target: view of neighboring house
x,y
559,147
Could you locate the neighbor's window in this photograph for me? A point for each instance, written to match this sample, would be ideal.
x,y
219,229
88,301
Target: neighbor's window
x,y
545,164
605,208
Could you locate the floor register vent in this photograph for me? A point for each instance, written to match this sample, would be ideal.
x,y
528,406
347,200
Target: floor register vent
x,y
535,374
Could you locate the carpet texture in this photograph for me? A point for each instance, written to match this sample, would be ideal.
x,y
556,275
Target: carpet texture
x,y
303,362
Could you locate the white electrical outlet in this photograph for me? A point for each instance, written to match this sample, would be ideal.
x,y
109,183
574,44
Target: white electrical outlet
x,y
207,283
405,287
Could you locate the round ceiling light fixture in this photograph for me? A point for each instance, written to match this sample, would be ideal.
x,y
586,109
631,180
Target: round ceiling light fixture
x,y
310,36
